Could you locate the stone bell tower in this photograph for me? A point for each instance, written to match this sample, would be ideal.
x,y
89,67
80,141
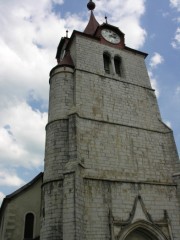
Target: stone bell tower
x,y
109,158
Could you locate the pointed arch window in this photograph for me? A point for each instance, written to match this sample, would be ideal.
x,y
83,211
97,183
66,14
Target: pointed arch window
x,y
117,65
107,62
29,226
142,230
140,235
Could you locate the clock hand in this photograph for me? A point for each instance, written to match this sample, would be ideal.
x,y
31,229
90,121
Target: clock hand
x,y
112,36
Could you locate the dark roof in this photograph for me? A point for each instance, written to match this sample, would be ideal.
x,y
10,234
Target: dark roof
x,y
107,25
67,61
63,43
9,197
92,25
25,187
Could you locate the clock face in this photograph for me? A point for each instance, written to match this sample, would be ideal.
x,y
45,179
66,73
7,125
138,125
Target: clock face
x,y
110,36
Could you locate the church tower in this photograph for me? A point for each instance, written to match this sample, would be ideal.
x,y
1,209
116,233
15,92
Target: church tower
x,y
110,161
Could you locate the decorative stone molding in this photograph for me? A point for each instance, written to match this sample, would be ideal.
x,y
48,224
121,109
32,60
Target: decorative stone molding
x,y
139,218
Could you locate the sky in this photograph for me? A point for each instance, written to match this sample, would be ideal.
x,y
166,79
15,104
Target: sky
x,y
30,33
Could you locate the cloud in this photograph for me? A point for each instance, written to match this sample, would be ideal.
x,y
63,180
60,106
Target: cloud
x,y
28,41
165,14
22,132
58,1
126,15
176,41
168,123
154,83
175,4
31,44
178,90
155,60
30,33
30,51
9,178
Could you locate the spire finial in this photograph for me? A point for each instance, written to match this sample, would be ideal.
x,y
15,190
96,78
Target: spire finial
x,y
67,33
91,5
106,18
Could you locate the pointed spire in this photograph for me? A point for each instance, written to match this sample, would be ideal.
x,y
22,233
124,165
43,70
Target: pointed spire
x,y
93,24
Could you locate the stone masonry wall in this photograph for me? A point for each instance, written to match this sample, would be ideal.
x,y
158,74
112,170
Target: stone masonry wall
x,y
131,152
69,223
56,151
57,211
102,196
88,56
61,93
52,214
105,145
110,100
122,144
119,126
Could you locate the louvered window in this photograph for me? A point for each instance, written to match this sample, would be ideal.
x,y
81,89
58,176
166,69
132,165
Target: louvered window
x,y
117,65
107,63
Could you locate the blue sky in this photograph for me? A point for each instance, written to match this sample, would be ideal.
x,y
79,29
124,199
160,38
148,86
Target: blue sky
x,y
30,33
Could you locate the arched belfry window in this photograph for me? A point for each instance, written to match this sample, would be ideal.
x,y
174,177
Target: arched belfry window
x,y
29,226
117,65
107,62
